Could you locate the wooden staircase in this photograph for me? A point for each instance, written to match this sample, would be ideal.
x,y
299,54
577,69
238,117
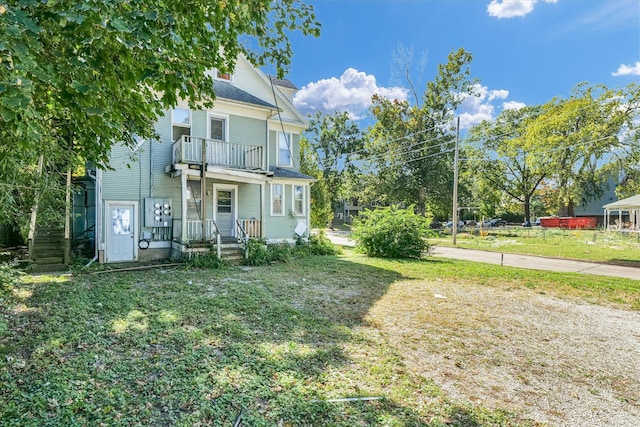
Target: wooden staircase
x,y
47,251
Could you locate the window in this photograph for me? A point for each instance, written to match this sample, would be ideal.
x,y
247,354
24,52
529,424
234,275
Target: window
x,y
222,76
298,200
217,129
181,122
224,201
194,208
277,199
284,149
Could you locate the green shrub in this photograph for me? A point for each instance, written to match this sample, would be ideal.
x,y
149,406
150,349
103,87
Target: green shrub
x,y
206,261
259,253
321,245
279,252
9,278
391,233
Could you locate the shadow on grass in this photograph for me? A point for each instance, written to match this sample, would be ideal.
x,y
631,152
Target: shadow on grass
x,y
624,263
173,347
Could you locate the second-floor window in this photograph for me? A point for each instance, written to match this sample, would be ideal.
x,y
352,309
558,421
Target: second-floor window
x,y
284,149
181,122
217,128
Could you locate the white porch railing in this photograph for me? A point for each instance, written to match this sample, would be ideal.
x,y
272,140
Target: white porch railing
x,y
251,227
194,232
188,149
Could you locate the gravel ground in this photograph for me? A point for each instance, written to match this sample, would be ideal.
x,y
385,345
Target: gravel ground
x,y
561,362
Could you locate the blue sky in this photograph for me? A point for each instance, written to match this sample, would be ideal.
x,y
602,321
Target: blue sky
x,y
525,51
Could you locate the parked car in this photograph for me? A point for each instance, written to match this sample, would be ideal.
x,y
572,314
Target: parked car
x,y
498,222
435,224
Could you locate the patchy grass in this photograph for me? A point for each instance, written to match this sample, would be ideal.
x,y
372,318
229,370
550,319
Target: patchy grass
x,y
270,345
585,245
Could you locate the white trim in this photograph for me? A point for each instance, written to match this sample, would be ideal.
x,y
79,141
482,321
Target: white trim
x,y
173,122
134,224
226,187
181,125
224,117
293,200
223,174
283,204
289,144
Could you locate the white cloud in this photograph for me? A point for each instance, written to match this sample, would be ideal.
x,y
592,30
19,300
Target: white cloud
x,y
513,105
512,8
476,108
351,92
628,70
498,94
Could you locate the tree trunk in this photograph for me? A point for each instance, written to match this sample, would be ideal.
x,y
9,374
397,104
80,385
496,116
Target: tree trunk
x,y
34,212
527,208
567,208
422,197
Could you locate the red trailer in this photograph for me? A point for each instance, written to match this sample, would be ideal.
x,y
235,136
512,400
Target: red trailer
x,y
583,222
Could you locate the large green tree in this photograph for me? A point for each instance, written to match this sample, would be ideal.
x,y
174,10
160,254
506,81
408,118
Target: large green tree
x,y
503,158
578,135
336,143
410,147
77,77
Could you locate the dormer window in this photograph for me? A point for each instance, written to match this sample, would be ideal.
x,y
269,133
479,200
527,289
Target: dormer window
x,y
221,76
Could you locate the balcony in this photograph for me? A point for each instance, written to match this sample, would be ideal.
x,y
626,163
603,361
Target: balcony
x,y
188,149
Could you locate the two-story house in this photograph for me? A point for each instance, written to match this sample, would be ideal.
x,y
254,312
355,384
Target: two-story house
x,y
215,176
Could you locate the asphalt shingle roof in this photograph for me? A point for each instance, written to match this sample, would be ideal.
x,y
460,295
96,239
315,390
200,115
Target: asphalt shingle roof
x,y
228,91
288,173
282,82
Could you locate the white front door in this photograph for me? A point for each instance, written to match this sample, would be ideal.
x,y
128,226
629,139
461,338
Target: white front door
x,y
225,210
120,232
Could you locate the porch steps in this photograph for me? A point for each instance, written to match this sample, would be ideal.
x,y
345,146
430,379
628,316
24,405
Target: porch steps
x,y
233,253
47,251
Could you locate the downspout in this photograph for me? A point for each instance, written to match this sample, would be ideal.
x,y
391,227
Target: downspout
x,y
151,144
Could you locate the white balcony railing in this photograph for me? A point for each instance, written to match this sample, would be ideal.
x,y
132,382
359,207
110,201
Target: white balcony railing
x,y
188,149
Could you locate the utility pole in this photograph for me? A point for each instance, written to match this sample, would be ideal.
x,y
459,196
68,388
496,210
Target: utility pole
x,y
454,226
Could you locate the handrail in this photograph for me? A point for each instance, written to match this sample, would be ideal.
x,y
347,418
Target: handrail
x,y
217,230
245,238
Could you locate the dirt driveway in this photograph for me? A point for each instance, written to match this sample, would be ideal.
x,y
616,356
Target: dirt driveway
x,y
562,362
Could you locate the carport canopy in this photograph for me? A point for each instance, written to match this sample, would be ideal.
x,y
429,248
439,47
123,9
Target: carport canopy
x,y
631,205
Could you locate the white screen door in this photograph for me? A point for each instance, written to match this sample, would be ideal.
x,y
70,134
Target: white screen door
x,y
120,226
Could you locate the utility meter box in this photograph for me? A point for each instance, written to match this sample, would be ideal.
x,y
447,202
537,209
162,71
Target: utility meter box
x,y
158,212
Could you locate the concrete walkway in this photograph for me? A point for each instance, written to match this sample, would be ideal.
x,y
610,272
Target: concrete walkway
x,y
515,260
538,263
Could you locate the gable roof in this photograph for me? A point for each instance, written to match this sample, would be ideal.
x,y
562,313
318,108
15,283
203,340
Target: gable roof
x,y
228,91
629,202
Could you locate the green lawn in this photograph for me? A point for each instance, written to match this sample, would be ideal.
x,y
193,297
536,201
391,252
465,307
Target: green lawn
x,y
271,345
587,245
